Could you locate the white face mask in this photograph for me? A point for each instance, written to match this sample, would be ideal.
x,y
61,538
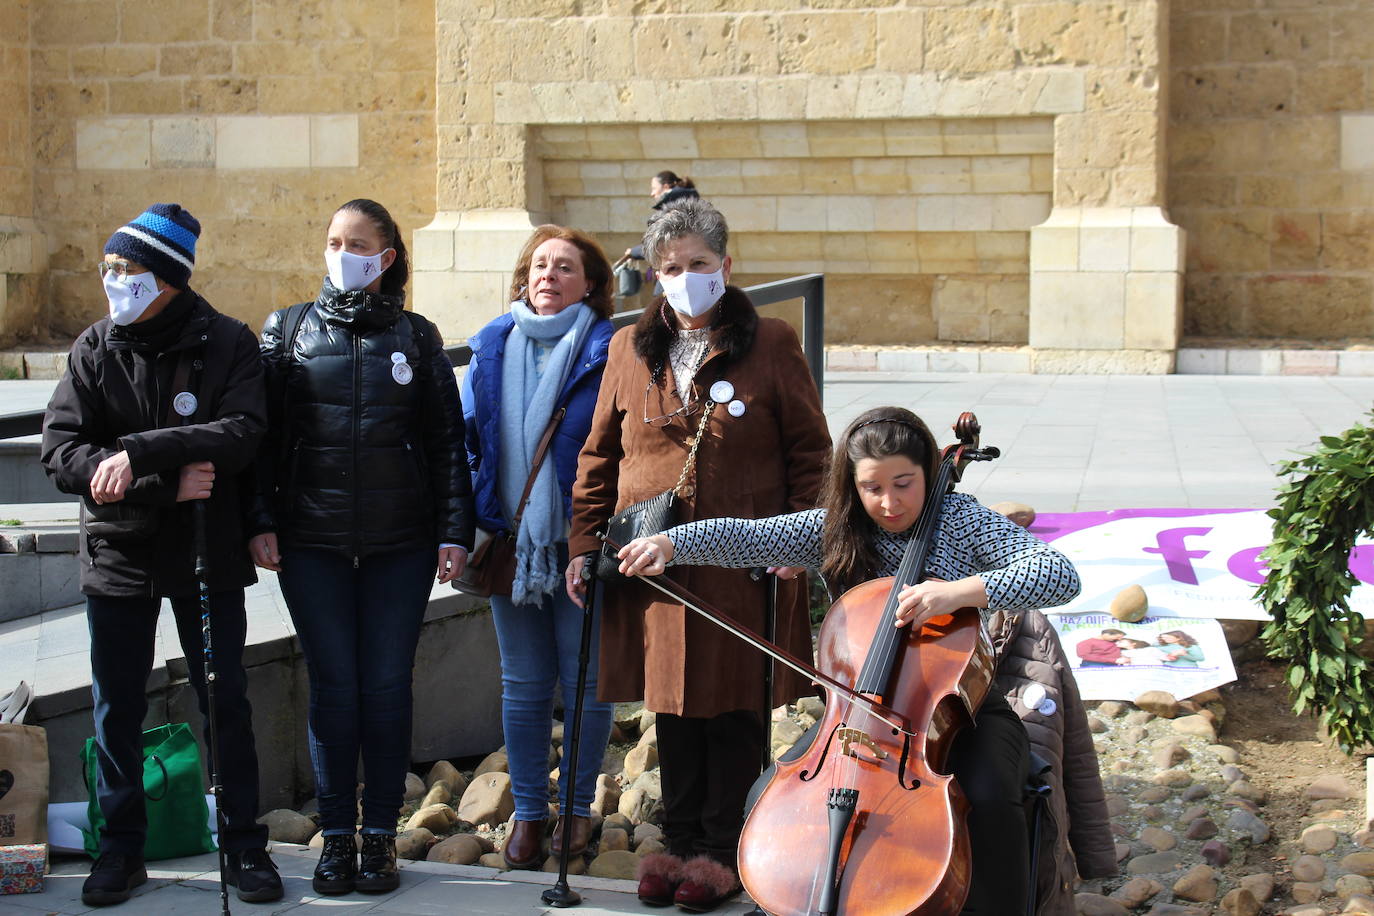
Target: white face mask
x,y
129,297
352,271
693,294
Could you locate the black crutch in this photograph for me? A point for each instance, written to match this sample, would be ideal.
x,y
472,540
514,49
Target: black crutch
x,y
561,895
216,789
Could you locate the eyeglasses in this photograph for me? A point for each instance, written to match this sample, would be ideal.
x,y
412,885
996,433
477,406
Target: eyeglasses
x,y
121,269
686,410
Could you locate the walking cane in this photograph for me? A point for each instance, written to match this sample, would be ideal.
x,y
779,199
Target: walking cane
x,y
561,895
216,789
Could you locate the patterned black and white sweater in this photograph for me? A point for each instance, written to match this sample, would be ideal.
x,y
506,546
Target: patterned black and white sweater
x,y
1019,570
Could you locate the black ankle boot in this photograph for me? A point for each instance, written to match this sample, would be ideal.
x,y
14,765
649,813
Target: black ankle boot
x,y
377,872
338,868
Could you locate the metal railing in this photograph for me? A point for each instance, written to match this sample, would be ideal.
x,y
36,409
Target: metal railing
x,y
810,289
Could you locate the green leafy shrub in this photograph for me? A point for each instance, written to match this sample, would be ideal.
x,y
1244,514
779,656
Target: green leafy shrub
x,y
1325,504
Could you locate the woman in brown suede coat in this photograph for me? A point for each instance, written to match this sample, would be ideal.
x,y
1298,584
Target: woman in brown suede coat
x,y
762,453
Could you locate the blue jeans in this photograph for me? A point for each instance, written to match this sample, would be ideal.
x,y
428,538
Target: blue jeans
x,y
539,648
358,629
122,631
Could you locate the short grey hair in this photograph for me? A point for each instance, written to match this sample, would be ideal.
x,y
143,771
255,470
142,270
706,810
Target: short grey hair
x,y
690,216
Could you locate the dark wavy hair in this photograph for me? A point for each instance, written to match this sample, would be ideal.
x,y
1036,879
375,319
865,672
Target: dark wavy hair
x,y
670,179
1183,638
594,264
848,536
396,276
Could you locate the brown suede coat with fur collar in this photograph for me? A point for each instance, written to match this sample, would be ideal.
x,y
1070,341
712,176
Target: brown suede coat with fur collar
x,y
765,462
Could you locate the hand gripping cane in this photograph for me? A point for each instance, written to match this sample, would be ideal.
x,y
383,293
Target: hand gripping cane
x,y
561,895
216,789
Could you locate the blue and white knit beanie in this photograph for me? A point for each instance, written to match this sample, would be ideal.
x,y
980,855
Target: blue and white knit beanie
x,y
162,239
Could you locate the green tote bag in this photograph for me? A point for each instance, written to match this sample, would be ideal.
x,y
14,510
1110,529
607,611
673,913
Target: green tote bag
x,y
172,784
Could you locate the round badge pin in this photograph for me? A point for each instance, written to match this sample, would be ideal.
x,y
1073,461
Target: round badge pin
x,y
722,391
402,373
185,404
398,357
1047,707
736,408
1033,696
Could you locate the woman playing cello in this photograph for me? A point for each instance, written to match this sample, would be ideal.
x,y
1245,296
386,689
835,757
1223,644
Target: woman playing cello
x,y
877,485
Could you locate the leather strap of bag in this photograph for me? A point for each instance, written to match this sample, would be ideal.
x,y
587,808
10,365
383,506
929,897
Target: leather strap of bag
x,y
181,377
539,454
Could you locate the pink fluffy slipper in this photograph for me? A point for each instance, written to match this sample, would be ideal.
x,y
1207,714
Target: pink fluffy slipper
x,y
705,884
659,875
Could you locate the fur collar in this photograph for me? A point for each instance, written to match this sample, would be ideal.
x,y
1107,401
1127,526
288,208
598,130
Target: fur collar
x,y
732,329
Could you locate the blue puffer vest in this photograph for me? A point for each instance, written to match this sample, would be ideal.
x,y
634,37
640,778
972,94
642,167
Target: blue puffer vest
x,y
482,414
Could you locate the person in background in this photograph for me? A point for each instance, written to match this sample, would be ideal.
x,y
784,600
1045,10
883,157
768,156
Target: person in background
x,y
161,405
544,355
363,490
665,189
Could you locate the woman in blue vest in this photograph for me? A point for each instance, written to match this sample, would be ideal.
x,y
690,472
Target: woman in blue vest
x,y
545,354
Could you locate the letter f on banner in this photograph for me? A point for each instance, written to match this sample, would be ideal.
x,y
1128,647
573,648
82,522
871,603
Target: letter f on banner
x,y
1176,555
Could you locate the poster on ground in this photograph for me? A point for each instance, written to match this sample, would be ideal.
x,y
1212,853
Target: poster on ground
x,y
1191,562
1113,660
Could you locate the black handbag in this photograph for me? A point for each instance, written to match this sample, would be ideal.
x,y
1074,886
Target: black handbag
x,y
650,516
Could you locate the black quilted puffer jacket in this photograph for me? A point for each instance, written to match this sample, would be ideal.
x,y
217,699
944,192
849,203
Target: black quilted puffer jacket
x,y
364,453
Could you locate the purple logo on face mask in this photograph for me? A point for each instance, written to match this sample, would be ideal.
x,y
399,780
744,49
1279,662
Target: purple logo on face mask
x,y
141,288
368,268
712,287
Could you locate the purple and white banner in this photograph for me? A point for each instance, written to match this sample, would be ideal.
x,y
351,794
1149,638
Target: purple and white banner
x,y
1191,562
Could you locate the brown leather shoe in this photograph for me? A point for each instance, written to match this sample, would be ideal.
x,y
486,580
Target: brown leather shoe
x,y
525,844
581,835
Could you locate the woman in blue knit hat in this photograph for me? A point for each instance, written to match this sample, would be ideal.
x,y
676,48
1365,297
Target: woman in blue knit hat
x,y
161,404
364,493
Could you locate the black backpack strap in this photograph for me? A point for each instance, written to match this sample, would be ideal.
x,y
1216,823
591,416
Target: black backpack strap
x,y
420,332
294,316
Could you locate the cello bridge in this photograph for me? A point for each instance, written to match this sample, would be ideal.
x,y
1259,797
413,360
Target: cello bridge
x,y
849,737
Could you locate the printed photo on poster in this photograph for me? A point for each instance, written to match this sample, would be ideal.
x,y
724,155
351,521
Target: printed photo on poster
x,y
1113,660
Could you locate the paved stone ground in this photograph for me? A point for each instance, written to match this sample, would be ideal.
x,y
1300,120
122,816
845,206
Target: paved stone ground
x,y
180,887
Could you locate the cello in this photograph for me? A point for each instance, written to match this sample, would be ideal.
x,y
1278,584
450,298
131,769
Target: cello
x,y
866,820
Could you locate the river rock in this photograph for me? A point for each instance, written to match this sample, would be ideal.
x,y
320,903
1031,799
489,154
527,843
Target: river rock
x,y
649,737
1249,826
1110,709
1097,905
435,818
414,844
786,733
1020,513
1175,778
1169,755
1136,891
650,846
639,806
1225,753
438,794
1195,792
1198,884
1329,785
614,864
459,849
1360,863
1097,726
1215,852
1240,902
493,860
1361,904
1117,806
607,795
647,832
616,820
1157,839
495,762
1159,702
1239,632
1139,717
613,838
1130,604
444,770
1157,863
1261,884
1195,725
1153,794
1308,868
577,865
415,787
1305,892
488,800
287,826
1132,736
1348,886
642,758
1207,696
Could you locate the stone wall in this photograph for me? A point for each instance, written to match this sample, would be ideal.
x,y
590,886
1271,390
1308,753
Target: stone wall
x,y
23,252
1272,166
259,117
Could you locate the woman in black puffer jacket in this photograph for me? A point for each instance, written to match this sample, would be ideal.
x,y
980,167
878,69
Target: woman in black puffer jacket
x,y
363,485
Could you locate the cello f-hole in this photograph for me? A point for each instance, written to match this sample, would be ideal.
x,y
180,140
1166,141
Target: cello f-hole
x,y
808,775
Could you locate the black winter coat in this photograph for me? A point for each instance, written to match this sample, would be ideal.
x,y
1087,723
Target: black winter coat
x,y
365,449
115,395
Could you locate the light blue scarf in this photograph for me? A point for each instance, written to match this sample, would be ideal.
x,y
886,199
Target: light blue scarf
x,y
528,397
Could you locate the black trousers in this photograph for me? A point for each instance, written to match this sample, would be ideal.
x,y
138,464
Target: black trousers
x,y
991,762
122,631
706,767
